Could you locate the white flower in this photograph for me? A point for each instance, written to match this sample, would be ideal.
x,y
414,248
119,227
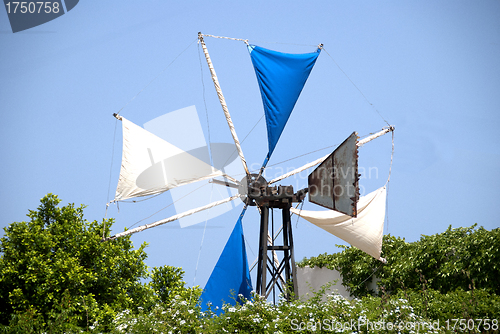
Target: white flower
x,y
232,309
190,311
121,327
182,322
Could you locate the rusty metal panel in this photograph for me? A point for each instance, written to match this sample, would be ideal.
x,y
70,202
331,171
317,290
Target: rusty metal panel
x,y
320,183
334,183
345,176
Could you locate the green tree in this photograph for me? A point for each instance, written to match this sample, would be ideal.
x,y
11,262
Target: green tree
x,y
57,260
167,284
460,258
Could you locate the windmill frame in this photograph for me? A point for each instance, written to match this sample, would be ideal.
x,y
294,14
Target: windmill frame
x,y
254,190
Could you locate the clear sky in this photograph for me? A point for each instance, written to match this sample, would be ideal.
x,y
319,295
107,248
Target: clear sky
x,y
431,68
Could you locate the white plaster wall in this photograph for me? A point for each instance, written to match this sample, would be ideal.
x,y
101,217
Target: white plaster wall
x,y
310,280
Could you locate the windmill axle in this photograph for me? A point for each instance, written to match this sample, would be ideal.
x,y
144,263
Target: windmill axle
x,y
254,190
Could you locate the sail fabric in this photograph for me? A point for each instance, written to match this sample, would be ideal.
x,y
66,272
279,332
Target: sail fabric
x,y
231,275
151,165
281,77
364,232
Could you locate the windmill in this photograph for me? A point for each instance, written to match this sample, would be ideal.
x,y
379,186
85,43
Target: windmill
x,y
147,169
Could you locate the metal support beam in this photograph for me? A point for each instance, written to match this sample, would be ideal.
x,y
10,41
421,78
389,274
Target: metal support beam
x,y
271,265
262,260
269,273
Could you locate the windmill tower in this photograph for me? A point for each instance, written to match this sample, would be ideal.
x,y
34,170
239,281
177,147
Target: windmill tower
x,y
333,184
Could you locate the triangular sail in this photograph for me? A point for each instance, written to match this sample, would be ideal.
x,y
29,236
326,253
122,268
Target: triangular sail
x,y
231,273
151,165
281,77
364,232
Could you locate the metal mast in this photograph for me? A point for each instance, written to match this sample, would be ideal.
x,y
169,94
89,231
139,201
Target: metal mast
x,y
274,274
254,190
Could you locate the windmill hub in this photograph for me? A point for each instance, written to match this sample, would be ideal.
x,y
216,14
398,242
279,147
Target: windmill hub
x,y
252,186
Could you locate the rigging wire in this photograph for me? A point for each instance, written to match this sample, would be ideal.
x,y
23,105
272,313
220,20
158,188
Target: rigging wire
x,y
281,43
156,76
388,185
392,156
111,167
246,41
233,39
249,132
307,166
203,185
382,117
206,108
141,200
109,183
298,216
296,157
359,90
235,151
247,243
209,147
203,237
303,155
374,271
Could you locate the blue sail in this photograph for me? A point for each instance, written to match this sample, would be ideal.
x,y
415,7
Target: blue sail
x,y
231,275
281,77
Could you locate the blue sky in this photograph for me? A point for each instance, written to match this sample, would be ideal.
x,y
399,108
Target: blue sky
x,y
428,67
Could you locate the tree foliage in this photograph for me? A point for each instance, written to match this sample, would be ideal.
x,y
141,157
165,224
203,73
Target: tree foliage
x,y
168,284
57,260
460,258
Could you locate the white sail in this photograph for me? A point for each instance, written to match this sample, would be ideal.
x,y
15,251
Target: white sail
x,y
151,165
364,232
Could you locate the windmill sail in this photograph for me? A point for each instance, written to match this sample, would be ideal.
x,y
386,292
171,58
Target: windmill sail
x,y
151,165
364,232
281,77
231,273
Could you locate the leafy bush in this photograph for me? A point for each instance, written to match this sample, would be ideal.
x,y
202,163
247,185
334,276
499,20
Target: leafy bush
x,y
167,283
471,304
456,259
